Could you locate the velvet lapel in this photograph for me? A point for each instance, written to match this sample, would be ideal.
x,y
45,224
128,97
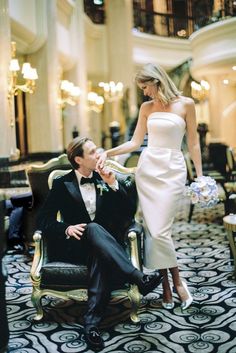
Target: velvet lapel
x,y
98,196
74,190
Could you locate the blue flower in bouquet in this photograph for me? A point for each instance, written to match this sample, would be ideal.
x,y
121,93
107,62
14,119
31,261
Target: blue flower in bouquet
x,y
203,191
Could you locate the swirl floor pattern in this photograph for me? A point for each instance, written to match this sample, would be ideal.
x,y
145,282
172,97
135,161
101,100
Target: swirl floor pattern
x,y
208,326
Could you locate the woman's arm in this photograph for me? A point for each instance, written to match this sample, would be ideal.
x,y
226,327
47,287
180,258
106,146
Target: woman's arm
x,y
192,136
133,144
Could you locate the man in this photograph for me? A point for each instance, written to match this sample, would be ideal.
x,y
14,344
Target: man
x,y
89,203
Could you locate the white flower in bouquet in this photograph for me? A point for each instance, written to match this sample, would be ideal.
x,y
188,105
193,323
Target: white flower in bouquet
x,y
203,191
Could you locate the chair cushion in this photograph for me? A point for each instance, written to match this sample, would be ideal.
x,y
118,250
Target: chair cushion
x,y
62,274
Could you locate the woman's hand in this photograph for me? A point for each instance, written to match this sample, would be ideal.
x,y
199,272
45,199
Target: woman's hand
x,y
101,160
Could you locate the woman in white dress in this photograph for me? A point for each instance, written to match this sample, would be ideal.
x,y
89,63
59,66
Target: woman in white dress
x,y
161,170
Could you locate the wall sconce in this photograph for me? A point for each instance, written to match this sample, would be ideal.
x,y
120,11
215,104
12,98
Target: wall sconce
x,y
112,91
29,74
69,93
95,102
200,91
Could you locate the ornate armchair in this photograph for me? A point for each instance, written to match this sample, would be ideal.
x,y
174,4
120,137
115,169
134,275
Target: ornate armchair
x,y
66,278
37,175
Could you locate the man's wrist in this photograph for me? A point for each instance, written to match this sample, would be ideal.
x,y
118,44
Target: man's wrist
x,y
67,233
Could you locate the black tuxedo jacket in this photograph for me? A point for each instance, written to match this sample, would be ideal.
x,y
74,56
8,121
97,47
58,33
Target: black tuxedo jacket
x,y
114,209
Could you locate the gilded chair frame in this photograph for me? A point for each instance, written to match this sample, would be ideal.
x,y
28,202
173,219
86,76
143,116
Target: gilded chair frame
x,y
53,162
80,294
37,176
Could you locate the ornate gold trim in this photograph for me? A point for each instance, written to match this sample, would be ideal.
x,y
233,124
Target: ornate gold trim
x,y
55,174
119,168
230,222
53,162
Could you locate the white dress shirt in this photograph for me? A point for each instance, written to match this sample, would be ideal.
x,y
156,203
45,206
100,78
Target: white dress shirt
x,y
88,193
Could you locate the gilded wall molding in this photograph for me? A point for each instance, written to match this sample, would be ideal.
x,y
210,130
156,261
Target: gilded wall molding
x,y
168,52
29,41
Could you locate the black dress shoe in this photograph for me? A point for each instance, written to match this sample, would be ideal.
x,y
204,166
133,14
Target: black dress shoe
x,y
149,282
93,338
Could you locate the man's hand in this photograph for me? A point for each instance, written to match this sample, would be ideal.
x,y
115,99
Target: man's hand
x,y
101,160
107,175
76,230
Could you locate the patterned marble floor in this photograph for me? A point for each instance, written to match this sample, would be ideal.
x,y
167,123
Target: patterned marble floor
x,y
208,326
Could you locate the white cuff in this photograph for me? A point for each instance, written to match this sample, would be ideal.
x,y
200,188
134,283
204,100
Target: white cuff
x,y
114,186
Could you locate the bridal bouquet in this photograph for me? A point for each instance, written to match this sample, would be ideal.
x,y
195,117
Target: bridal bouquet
x,y
203,191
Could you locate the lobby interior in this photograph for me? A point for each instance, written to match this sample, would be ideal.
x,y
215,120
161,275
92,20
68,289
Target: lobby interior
x,y
82,58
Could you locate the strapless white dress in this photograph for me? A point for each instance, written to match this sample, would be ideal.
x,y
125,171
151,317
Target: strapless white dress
x,y
160,178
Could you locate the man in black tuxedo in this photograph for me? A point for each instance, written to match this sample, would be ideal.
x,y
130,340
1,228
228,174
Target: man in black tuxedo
x,y
89,202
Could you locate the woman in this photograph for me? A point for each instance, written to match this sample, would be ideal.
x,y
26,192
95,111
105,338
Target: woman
x,y
161,170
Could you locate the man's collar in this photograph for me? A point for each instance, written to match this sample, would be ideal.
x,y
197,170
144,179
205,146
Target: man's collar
x,y
79,175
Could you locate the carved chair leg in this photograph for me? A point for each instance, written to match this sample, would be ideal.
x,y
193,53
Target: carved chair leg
x,y
190,212
135,300
36,301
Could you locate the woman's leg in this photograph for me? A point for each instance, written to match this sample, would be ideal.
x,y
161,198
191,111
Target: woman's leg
x,y
167,293
181,291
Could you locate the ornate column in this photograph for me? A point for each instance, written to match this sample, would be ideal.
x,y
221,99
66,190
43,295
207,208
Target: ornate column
x,y
43,111
7,121
79,72
222,103
214,53
120,54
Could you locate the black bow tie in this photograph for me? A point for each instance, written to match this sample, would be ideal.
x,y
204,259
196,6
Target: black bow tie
x,y
87,180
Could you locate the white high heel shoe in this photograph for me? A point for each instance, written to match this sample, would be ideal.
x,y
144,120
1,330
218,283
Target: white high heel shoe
x,y
185,304
168,306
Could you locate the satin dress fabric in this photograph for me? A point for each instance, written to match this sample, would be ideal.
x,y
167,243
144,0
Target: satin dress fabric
x,y
160,179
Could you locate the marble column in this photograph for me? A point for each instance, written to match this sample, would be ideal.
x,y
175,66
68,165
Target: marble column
x,y
222,110
80,69
7,119
43,110
119,22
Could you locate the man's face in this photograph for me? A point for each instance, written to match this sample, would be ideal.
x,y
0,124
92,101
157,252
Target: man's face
x,y
88,161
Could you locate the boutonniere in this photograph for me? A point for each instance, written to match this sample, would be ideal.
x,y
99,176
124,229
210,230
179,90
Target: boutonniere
x,y
128,181
102,187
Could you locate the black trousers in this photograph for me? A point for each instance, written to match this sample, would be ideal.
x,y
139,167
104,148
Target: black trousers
x,y
108,260
15,222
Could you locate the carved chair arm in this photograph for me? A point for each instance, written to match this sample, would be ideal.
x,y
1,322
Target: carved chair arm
x,y
38,256
137,228
134,244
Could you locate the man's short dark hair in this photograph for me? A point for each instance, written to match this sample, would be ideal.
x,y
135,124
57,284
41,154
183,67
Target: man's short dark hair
x,y
75,148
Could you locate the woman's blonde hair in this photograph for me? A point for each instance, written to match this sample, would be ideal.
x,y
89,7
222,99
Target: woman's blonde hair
x,y
155,74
